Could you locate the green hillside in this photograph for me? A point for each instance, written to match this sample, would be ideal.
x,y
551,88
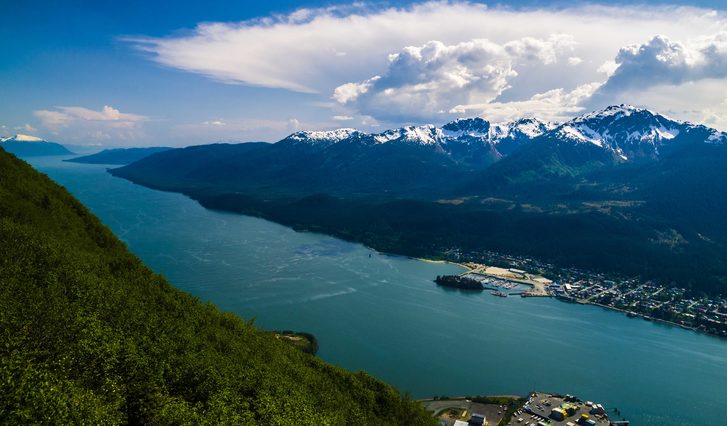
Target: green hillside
x,y
88,334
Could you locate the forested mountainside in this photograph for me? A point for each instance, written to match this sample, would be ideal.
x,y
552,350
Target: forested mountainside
x,y
621,190
91,335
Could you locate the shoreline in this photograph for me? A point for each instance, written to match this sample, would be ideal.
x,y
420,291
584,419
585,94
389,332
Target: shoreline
x,y
469,269
447,262
673,324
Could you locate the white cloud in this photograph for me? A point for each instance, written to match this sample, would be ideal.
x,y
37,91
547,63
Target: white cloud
x,y
538,57
608,68
665,61
423,81
302,51
543,50
26,128
80,123
553,105
351,91
342,117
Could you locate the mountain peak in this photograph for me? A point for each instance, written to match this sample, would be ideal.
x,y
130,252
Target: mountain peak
x,y
22,138
336,135
476,126
619,111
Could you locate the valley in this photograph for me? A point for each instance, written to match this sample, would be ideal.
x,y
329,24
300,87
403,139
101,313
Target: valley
x,y
348,296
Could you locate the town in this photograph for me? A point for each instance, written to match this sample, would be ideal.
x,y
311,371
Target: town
x,y
536,409
649,300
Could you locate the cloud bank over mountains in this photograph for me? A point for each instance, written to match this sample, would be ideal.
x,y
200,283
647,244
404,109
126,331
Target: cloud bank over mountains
x,y
437,60
370,66
80,123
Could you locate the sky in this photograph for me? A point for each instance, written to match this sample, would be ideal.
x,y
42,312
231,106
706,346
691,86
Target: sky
x,y
179,73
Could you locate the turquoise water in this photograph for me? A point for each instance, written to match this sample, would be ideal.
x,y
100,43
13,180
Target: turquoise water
x,y
384,315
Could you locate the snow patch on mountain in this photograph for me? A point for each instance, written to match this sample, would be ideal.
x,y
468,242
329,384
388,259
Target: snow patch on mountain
x,y
625,130
22,138
326,135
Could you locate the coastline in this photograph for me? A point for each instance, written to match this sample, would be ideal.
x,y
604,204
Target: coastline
x,y
448,262
674,324
581,301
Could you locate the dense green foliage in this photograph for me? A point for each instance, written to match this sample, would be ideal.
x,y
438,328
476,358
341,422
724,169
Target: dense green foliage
x,y
458,282
88,334
511,405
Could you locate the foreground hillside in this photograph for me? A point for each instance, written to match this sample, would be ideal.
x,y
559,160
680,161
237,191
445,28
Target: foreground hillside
x,y
90,335
620,190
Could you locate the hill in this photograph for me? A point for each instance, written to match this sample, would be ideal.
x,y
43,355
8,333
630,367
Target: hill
x,y
31,146
91,335
118,156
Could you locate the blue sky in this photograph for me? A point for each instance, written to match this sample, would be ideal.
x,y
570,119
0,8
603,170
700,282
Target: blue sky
x,y
182,73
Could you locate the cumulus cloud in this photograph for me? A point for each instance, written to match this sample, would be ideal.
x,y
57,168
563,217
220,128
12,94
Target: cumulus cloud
x,y
665,61
553,105
311,49
422,81
639,72
501,59
80,122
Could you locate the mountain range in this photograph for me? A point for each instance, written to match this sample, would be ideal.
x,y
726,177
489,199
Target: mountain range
x,y
622,189
27,146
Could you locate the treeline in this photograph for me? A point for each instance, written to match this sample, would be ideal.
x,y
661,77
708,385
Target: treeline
x,y
89,335
418,228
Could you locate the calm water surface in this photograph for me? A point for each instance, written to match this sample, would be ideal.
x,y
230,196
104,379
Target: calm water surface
x,y
384,314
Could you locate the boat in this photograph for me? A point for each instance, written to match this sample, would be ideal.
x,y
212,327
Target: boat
x,y
498,294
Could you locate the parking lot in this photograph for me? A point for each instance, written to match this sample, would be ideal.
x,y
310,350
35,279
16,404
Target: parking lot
x,y
541,405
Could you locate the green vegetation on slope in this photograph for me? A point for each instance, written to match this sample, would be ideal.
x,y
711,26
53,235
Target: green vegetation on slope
x,y
88,334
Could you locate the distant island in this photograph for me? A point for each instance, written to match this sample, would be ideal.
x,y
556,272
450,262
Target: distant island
x,y
31,146
119,156
459,282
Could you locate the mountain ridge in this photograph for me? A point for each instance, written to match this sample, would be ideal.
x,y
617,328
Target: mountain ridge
x,y
603,128
27,146
615,181
118,156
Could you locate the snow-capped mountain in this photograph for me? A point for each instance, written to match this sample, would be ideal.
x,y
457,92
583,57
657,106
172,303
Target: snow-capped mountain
x,y
27,146
633,133
470,141
629,132
22,138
